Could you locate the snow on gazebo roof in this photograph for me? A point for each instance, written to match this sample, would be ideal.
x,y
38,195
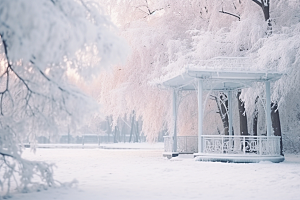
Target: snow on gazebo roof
x,y
218,74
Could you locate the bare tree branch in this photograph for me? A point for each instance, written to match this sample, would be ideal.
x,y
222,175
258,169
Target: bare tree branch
x,y
221,11
149,11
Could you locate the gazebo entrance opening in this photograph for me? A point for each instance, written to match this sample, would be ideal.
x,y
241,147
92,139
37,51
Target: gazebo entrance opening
x,y
227,148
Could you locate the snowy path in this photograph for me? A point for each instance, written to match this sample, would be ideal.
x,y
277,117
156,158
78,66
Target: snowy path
x,y
144,174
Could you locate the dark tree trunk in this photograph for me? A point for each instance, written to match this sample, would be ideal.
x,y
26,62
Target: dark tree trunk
x,y
222,104
266,10
124,132
137,132
120,129
255,123
115,134
132,126
108,130
276,124
255,116
224,110
242,115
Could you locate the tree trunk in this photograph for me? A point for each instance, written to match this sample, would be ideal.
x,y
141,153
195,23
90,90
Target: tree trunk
x,y
132,126
222,103
266,10
255,123
121,129
115,134
124,132
224,110
242,115
255,116
108,130
137,132
276,124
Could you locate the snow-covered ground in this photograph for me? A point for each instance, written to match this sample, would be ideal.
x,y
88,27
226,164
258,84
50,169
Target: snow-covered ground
x,y
106,146
143,173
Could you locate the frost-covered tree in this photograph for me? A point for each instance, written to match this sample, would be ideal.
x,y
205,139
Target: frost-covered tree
x,y
180,33
42,43
161,41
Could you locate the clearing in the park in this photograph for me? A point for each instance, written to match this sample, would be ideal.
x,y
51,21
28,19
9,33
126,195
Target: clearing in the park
x,y
138,171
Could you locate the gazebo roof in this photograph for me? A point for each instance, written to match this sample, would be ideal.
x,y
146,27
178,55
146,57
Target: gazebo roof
x,y
218,79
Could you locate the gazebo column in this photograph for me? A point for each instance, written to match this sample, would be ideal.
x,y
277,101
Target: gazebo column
x,y
174,111
200,115
229,96
230,111
268,109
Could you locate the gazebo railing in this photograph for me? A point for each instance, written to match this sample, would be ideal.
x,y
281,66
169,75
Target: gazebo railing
x,y
225,144
168,143
255,145
185,144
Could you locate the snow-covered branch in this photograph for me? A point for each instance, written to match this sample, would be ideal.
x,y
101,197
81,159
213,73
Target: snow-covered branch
x,y
41,43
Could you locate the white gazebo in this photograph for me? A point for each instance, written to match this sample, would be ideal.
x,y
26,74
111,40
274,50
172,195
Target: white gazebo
x,y
223,148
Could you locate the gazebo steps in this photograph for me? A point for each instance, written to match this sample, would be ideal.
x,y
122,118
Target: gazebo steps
x,y
237,158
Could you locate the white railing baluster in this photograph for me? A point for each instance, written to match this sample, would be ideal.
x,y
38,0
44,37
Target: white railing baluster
x,y
186,149
244,144
260,147
222,145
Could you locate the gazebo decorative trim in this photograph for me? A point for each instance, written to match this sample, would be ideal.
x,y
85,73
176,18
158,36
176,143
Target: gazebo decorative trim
x,y
199,79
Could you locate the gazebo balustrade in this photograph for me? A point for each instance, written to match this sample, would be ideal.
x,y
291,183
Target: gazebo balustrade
x,y
185,144
226,144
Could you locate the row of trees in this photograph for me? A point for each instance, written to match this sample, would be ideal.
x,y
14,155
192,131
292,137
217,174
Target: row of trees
x,y
124,130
